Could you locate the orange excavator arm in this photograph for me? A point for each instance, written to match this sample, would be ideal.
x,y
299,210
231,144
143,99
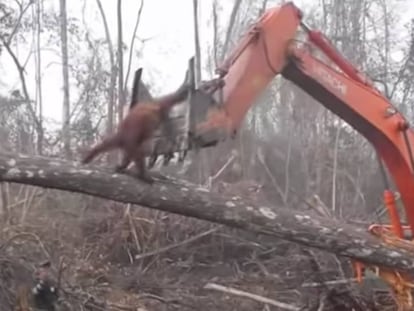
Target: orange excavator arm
x,y
269,48
215,110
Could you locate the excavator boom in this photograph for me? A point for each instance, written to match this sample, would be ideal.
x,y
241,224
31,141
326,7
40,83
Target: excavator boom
x,y
216,108
270,48
254,63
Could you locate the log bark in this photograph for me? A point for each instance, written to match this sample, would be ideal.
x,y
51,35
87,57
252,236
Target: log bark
x,y
179,197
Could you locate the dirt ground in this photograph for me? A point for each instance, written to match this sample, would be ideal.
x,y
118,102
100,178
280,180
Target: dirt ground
x,y
118,257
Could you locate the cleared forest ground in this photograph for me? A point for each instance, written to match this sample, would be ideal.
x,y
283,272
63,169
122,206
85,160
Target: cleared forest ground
x,y
119,257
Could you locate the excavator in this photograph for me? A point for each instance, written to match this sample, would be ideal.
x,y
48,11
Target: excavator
x,y
215,109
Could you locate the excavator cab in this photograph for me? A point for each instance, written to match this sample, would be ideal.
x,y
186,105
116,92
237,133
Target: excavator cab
x,y
182,134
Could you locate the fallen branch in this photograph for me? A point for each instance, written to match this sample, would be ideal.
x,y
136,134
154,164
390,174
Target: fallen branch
x,y
335,282
175,245
186,199
255,297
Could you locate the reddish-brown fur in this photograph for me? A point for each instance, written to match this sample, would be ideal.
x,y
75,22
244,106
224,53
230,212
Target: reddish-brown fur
x,y
137,127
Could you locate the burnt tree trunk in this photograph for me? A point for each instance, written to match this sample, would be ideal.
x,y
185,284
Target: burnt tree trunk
x,y
186,199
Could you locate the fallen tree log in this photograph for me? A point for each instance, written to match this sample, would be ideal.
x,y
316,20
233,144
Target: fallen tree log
x,y
186,199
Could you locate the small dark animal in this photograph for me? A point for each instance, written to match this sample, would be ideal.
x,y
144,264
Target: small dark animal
x,y
42,296
135,129
45,291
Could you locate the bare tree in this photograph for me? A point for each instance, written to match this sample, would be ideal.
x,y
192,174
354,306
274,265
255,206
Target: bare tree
x,y
113,71
121,94
215,33
65,74
197,41
131,48
38,53
6,39
230,27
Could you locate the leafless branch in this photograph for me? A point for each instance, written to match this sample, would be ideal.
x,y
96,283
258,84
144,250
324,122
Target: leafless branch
x,y
131,48
19,20
240,293
176,245
230,27
113,70
21,70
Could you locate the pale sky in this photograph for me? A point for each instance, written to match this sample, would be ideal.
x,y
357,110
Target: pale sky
x,y
165,56
169,23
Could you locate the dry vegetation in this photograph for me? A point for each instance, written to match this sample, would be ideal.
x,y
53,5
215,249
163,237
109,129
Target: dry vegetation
x,y
120,257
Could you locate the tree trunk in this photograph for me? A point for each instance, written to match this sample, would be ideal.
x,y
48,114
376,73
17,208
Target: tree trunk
x,y
131,46
112,83
121,94
197,42
39,99
65,72
21,71
230,28
183,198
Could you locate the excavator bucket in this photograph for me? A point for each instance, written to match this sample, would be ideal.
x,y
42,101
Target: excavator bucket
x,y
183,120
